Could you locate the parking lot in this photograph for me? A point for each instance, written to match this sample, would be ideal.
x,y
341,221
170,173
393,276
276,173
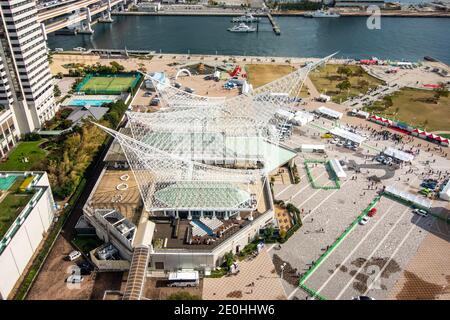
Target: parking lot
x,y
371,258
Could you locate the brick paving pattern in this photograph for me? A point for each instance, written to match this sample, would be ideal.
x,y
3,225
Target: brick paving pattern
x,y
427,276
260,271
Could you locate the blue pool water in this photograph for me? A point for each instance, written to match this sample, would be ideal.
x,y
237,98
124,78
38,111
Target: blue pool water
x,y
88,102
7,182
203,226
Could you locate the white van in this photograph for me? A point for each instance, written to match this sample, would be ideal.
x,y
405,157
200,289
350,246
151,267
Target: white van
x,y
74,255
183,279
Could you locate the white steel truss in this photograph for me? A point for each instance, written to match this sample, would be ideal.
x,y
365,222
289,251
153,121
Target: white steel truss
x,y
156,170
208,149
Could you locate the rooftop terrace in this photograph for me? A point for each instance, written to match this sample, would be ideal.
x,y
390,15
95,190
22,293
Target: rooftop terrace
x,y
16,193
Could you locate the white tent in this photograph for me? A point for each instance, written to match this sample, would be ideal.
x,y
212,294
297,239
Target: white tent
x,y
313,148
360,113
398,154
414,199
301,118
345,134
246,87
337,168
329,112
284,114
445,193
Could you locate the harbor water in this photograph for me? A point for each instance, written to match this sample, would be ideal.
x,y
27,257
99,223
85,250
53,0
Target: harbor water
x,y
398,39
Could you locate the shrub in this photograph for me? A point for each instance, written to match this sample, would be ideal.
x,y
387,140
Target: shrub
x,y
183,295
32,136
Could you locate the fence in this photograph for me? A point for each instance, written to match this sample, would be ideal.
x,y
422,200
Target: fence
x,y
335,179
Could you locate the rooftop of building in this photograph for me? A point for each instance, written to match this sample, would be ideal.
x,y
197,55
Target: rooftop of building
x,y
173,233
117,189
17,196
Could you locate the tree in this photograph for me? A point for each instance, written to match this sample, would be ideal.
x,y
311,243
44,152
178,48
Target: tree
x,y
229,259
344,70
344,85
388,102
358,72
268,232
439,92
116,66
56,91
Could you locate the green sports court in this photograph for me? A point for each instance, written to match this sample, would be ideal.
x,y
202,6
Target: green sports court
x,y
108,84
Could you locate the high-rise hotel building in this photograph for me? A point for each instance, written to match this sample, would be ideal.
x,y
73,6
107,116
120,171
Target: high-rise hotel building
x,y
26,85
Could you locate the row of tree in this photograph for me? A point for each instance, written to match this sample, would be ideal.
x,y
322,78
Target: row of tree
x,y
78,149
301,5
82,70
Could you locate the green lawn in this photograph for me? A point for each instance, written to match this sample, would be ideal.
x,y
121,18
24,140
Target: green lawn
x,y
11,206
414,107
261,74
326,78
31,150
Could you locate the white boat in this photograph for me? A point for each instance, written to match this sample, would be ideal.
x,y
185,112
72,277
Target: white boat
x,y
322,14
242,27
248,17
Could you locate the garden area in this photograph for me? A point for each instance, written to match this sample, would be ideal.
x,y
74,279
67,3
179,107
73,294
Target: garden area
x,y
64,157
87,243
25,156
418,108
342,82
12,204
59,121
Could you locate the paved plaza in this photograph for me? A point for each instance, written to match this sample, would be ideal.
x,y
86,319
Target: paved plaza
x,y
371,258
257,280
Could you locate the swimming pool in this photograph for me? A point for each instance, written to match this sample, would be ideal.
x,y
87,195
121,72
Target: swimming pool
x,y
203,226
88,102
7,182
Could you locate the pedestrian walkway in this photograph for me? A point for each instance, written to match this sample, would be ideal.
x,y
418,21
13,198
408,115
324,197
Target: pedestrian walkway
x,y
257,280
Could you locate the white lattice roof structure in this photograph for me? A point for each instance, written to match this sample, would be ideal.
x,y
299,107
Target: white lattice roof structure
x,y
203,153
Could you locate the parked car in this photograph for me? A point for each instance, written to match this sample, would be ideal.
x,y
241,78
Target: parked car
x,y
425,191
372,212
420,212
155,101
74,255
428,185
189,90
364,220
177,85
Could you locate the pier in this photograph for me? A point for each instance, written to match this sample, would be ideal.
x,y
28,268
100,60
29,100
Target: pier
x,y
275,26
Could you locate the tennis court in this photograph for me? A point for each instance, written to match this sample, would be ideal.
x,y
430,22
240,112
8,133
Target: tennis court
x,y
108,84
